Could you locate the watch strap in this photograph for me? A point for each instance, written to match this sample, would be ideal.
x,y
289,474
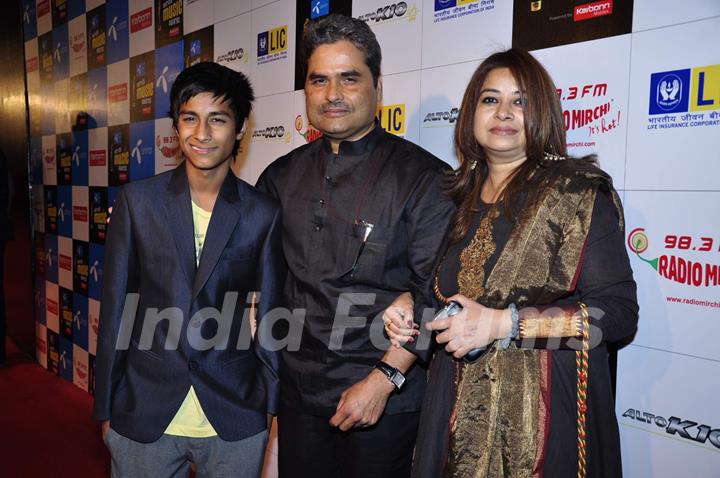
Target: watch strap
x,y
395,376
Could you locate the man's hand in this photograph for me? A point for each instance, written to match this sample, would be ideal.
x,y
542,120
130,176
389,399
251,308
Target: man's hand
x,y
363,404
105,426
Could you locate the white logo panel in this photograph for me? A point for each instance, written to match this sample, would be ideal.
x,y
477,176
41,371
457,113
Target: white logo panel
x,y
442,93
468,32
77,38
234,45
594,97
273,48
396,26
674,146
268,136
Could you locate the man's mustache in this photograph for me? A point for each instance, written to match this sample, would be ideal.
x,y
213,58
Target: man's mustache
x,y
335,107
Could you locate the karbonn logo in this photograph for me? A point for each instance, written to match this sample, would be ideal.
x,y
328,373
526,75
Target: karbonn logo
x,y
271,132
32,64
43,7
592,10
687,429
388,12
98,157
141,20
392,118
118,93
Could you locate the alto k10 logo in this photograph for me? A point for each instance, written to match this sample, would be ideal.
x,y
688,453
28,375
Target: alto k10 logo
x,y
672,265
232,55
441,118
686,429
394,11
271,133
272,45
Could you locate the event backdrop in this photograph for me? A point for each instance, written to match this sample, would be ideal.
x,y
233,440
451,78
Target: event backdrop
x,y
639,83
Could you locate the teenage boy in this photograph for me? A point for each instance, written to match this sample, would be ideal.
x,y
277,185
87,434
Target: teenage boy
x,y
178,379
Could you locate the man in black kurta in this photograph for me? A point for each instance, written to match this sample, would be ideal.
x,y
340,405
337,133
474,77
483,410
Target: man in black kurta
x,y
363,218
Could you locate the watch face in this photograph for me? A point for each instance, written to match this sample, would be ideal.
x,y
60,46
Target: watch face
x,y
398,380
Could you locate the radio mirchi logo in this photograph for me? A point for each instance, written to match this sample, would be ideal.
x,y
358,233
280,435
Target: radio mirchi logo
x,y
674,265
310,134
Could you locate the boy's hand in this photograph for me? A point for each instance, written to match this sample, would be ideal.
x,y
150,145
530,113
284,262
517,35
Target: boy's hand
x,y
105,426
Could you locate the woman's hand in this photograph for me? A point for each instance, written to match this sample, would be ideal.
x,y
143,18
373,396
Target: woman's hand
x,y
398,319
474,327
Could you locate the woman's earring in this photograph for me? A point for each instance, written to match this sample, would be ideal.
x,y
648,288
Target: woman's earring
x,y
472,165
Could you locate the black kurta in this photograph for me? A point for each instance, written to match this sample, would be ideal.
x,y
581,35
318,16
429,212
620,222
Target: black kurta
x,y
383,180
605,282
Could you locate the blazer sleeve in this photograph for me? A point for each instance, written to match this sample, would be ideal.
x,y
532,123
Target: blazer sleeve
x,y
270,281
118,271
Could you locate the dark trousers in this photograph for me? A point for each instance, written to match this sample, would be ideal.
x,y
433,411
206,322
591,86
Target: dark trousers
x,y
310,447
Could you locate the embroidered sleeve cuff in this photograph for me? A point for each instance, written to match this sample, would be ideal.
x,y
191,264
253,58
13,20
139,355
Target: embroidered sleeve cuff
x,y
548,322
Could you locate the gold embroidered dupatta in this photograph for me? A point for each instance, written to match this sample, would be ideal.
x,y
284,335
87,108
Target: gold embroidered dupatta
x,y
499,423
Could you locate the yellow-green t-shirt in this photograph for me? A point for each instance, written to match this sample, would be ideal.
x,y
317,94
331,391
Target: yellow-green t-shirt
x,y
190,420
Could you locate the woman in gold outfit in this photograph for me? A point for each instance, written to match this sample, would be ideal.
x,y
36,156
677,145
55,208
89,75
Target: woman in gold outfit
x,y
536,257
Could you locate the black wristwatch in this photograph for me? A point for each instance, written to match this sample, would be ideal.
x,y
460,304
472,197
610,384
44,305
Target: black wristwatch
x,y
394,375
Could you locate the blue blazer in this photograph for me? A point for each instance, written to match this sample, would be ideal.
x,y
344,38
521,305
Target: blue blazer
x,y
164,345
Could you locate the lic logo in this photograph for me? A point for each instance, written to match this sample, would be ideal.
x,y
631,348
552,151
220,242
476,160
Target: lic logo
x,y
262,48
668,92
444,4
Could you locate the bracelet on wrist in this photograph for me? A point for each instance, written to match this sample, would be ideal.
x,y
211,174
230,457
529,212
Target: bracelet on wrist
x,y
515,317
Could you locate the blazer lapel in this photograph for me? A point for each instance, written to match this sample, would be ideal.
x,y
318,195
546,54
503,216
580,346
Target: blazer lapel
x,y
224,218
180,220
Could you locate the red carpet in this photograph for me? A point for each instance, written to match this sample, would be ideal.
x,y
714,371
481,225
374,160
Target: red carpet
x,y
45,425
